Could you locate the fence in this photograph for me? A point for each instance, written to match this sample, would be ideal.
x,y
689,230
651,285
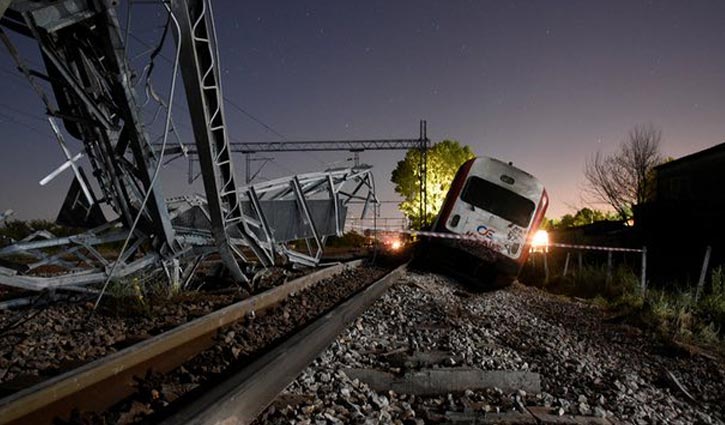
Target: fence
x,y
608,249
544,249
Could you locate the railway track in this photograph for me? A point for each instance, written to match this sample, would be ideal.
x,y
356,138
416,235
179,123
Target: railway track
x,y
244,395
103,383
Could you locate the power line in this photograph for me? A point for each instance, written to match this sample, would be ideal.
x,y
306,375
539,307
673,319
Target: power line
x,y
234,106
255,119
280,166
13,74
157,52
22,124
18,111
227,100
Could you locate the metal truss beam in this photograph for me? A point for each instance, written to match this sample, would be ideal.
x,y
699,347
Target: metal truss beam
x,y
83,53
284,214
200,69
88,72
306,207
314,146
421,142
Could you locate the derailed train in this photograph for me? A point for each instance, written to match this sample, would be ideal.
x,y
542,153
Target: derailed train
x,y
498,204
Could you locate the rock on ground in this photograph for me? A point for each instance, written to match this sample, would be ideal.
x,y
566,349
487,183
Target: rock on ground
x,y
588,367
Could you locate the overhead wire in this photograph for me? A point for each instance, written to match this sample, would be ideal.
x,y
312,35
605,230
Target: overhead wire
x,y
280,166
21,112
127,30
156,170
234,105
237,108
255,119
22,124
13,74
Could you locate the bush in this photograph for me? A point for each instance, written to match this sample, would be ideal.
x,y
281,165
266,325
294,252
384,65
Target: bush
x,y
676,314
18,229
591,282
671,312
126,297
709,334
712,304
628,301
349,239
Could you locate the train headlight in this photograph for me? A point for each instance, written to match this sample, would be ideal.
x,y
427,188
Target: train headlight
x,y
540,241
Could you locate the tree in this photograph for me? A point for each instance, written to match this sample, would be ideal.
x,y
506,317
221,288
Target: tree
x,y
582,217
625,178
444,159
348,239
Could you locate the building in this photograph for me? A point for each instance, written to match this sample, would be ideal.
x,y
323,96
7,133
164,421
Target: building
x,y
686,216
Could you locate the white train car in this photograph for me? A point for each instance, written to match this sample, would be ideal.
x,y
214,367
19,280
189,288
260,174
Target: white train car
x,y
502,206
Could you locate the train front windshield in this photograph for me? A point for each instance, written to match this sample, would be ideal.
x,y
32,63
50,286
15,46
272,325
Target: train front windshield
x,y
498,200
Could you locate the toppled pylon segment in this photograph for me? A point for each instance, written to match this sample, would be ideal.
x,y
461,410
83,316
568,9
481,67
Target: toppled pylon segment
x,y
127,223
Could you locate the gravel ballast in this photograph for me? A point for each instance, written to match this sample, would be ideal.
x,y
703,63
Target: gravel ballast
x,y
235,347
591,370
43,341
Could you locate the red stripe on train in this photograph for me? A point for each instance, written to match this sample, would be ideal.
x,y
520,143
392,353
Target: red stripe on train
x,y
540,210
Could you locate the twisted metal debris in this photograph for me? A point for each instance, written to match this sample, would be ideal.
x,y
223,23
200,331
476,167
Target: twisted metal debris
x,y
95,100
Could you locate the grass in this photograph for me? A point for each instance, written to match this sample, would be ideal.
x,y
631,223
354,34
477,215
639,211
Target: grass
x,y
712,303
592,282
672,313
127,297
136,295
677,315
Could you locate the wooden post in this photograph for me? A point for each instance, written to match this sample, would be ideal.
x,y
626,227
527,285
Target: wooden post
x,y
644,271
703,273
581,264
609,267
566,263
546,269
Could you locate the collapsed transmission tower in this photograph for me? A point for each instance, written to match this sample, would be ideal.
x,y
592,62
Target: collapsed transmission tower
x,y
420,144
95,101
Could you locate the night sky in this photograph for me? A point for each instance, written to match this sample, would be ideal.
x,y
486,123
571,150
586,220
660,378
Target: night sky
x,y
541,83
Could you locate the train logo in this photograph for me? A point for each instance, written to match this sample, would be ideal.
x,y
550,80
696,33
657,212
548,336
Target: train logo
x,y
485,232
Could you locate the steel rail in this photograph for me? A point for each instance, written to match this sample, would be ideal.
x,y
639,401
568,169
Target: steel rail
x,y
103,382
243,396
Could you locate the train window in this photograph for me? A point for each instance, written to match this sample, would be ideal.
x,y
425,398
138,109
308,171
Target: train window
x,y
498,201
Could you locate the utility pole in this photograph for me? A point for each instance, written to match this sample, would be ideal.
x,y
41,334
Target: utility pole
x,y
423,174
421,144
